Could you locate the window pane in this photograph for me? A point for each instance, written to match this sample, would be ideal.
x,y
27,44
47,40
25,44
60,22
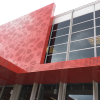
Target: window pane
x,y
82,34
82,44
81,54
98,22
57,49
61,25
98,31
98,51
82,26
49,92
59,40
25,92
6,93
98,41
80,91
56,58
97,13
60,32
83,18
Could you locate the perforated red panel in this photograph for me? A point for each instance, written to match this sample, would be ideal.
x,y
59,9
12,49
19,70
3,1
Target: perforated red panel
x,y
24,41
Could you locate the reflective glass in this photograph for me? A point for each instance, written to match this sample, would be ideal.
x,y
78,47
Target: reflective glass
x,y
82,34
57,49
56,58
80,91
60,32
98,31
59,40
61,25
98,22
49,92
82,26
6,93
82,44
1,88
99,91
25,92
81,54
98,41
83,18
97,14
98,51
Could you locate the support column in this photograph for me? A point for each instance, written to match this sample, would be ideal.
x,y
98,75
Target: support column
x,y
33,93
2,91
16,92
95,90
60,91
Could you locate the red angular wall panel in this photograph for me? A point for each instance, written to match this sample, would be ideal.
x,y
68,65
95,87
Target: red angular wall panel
x,y
24,41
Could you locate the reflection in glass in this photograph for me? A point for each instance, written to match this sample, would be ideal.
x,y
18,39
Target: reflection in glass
x,y
49,92
25,92
98,51
59,40
82,26
83,18
98,22
1,88
97,14
82,35
7,93
57,49
80,91
82,44
56,58
61,25
60,32
98,41
98,31
81,54
99,91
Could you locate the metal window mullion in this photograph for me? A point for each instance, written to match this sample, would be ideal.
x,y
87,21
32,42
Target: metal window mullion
x,y
48,44
95,54
95,85
69,37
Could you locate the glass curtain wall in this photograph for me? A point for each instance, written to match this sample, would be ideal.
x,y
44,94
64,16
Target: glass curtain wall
x,y
49,92
81,91
57,46
81,42
25,92
97,19
7,93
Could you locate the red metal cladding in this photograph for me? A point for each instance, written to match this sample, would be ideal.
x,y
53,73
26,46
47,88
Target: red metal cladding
x,y
74,71
24,41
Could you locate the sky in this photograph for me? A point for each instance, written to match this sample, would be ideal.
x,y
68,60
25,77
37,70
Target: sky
x,y
12,9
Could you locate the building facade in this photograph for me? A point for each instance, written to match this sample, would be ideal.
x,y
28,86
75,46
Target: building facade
x,y
46,57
